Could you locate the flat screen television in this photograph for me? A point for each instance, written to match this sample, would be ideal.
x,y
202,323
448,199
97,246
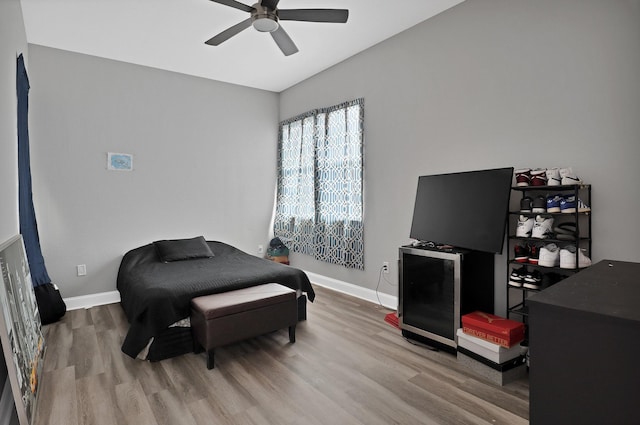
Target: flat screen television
x,y
466,210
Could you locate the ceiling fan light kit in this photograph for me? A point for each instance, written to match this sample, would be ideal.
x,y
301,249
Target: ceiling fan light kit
x,y
265,16
263,19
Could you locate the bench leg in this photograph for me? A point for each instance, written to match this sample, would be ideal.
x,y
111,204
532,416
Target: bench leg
x,y
210,363
292,334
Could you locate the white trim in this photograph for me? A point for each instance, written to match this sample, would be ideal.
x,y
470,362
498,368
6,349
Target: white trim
x,y
92,300
388,301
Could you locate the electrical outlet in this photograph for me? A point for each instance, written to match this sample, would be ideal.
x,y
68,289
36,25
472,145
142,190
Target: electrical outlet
x,y
385,267
81,269
260,249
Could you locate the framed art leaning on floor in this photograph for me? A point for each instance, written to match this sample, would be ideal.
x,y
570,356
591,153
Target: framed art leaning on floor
x,y
20,328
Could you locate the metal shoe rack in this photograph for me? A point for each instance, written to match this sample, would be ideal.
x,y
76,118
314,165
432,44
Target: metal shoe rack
x,y
517,305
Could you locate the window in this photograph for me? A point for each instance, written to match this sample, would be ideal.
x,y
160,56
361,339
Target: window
x,y
319,206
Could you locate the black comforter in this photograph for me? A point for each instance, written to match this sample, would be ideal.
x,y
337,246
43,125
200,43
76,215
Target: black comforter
x,y
155,295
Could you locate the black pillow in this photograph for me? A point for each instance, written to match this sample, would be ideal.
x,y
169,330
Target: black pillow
x,y
182,249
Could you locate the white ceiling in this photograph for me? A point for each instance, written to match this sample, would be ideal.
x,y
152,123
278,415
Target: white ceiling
x,y
170,35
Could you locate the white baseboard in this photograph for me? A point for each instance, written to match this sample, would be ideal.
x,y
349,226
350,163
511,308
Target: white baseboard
x,y
388,301
88,301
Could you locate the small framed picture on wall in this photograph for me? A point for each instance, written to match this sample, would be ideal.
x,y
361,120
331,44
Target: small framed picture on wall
x,y
119,161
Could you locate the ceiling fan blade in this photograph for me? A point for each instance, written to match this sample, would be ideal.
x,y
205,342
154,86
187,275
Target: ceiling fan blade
x,y
235,4
229,32
271,4
314,15
284,42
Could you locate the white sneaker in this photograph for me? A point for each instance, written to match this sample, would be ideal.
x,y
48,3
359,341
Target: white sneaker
x,y
525,225
553,177
549,256
568,258
542,227
582,207
568,177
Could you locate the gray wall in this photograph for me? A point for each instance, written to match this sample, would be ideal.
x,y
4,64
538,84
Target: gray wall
x,y
494,83
204,162
13,41
489,83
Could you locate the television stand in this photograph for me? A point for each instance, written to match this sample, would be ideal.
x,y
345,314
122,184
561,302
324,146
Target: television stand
x,y
437,287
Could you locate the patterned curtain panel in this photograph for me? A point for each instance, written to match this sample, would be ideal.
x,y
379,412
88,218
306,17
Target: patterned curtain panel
x,y
319,207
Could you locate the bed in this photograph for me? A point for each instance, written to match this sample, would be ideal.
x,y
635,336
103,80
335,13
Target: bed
x,y
157,282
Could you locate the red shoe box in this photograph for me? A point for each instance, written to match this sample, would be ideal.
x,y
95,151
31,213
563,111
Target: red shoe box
x,y
496,329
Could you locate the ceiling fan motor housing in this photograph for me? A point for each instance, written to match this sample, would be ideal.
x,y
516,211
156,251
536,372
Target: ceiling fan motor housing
x,y
264,19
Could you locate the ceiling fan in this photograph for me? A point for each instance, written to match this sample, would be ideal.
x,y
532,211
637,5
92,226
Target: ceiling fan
x,y
265,16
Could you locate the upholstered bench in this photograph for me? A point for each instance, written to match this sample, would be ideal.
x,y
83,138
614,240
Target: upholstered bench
x,y
228,317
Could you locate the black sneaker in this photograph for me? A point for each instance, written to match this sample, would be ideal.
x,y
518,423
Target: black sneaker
x,y
534,254
517,276
539,204
521,253
532,280
525,204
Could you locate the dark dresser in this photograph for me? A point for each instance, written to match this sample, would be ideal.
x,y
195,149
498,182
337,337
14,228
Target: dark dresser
x,y
585,347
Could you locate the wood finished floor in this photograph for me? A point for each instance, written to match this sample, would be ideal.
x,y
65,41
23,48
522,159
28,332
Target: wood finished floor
x,y
348,366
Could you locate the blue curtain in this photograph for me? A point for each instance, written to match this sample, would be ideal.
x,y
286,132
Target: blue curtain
x,y
28,225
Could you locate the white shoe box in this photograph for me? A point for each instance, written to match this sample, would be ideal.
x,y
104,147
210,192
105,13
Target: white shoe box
x,y
490,351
